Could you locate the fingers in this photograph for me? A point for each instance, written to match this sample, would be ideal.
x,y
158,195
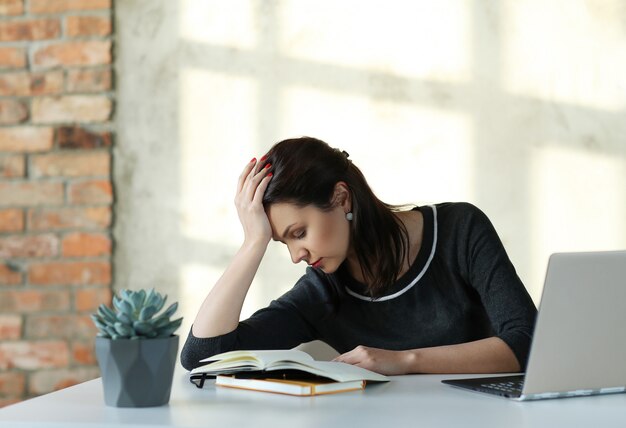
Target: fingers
x,y
349,357
251,178
260,190
252,182
245,173
379,360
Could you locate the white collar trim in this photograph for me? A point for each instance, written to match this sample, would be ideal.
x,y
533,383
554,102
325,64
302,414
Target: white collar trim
x,y
415,280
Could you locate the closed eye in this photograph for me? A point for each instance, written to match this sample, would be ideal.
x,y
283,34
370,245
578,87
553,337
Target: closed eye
x,y
300,234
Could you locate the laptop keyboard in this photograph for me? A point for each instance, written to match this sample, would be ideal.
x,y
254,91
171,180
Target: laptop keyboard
x,y
506,386
512,386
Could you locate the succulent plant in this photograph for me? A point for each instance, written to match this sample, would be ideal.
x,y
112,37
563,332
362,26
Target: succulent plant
x,y
135,316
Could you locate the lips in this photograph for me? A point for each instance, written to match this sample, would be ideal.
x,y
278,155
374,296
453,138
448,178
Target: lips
x,y
317,263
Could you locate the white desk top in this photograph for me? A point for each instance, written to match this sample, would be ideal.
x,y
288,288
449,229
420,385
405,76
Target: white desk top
x,y
415,401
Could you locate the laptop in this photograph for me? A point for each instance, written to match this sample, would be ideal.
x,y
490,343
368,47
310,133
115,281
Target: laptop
x,y
579,343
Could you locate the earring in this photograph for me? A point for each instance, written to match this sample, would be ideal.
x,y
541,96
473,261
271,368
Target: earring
x,y
349,216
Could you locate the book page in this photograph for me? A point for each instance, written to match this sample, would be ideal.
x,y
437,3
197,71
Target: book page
x,y
340,372
253,359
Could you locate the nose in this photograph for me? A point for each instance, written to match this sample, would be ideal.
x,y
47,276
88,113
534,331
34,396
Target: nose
x,y
297,254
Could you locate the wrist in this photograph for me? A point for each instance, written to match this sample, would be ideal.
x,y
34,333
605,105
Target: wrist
x,y
411,361
255,244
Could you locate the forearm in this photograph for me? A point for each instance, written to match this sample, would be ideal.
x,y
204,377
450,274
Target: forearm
x,y
491,355
220,311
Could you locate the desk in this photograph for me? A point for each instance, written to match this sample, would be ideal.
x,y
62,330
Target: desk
x,y
406,401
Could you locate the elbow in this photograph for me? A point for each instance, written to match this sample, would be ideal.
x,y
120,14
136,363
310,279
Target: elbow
x,y
186,360
515,365
514,354
190,354
196,348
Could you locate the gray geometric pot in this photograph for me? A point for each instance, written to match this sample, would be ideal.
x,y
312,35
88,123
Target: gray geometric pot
x,y
137,373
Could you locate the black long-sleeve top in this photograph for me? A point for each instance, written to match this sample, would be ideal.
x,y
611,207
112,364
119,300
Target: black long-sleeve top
x,y
460,288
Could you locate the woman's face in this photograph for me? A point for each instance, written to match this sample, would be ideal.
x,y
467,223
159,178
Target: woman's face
x,y
320,238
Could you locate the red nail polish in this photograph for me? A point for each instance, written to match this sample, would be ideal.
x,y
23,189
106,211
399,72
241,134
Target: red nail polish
x,y
252,160
270,174
268,166
263,158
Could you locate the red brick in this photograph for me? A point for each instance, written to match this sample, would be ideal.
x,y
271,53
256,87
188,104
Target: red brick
x,y
88,299
11,220
12,167
28,84
75,137
83,352
11,7
33,355
71,108
69,218
70,273
91,52
28,301
12,111
10,329
12,57
47,381
12,384
30,193
82,244
59,326
89,80
91,192
21,246
57,6
33,29
26,139
82,25
71,164
10,274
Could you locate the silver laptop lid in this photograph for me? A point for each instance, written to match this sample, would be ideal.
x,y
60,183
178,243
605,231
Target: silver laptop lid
x,y
579,341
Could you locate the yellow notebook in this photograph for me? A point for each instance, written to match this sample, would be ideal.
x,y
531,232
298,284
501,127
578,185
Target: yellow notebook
x,y
304,387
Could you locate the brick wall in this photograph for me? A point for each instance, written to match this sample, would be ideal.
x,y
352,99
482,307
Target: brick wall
x,y
56,105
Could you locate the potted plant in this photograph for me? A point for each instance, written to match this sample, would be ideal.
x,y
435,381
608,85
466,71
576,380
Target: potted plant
x,y
136,349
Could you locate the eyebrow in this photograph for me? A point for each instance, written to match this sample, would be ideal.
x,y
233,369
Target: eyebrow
x,y
286,232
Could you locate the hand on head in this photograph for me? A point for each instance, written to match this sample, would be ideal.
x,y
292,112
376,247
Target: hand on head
x,y
251,186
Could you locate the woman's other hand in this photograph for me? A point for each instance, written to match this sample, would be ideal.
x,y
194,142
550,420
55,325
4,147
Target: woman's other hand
x,y
378,360
251,187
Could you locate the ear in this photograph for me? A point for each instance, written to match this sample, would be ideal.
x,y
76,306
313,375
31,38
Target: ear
x,y
342,196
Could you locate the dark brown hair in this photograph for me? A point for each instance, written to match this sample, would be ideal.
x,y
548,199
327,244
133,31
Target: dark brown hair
x,y
306,171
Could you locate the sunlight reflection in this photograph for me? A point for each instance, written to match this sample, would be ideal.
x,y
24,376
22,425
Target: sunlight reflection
x,y
227,23
217,138
579,204
567,51
421,39
195,282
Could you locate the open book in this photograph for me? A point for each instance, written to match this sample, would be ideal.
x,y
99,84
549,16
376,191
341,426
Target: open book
x,y
282,364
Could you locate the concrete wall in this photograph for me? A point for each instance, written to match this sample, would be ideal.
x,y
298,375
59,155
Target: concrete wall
x,y
517,106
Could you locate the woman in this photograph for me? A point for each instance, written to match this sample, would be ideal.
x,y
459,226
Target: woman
x,y
424,290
